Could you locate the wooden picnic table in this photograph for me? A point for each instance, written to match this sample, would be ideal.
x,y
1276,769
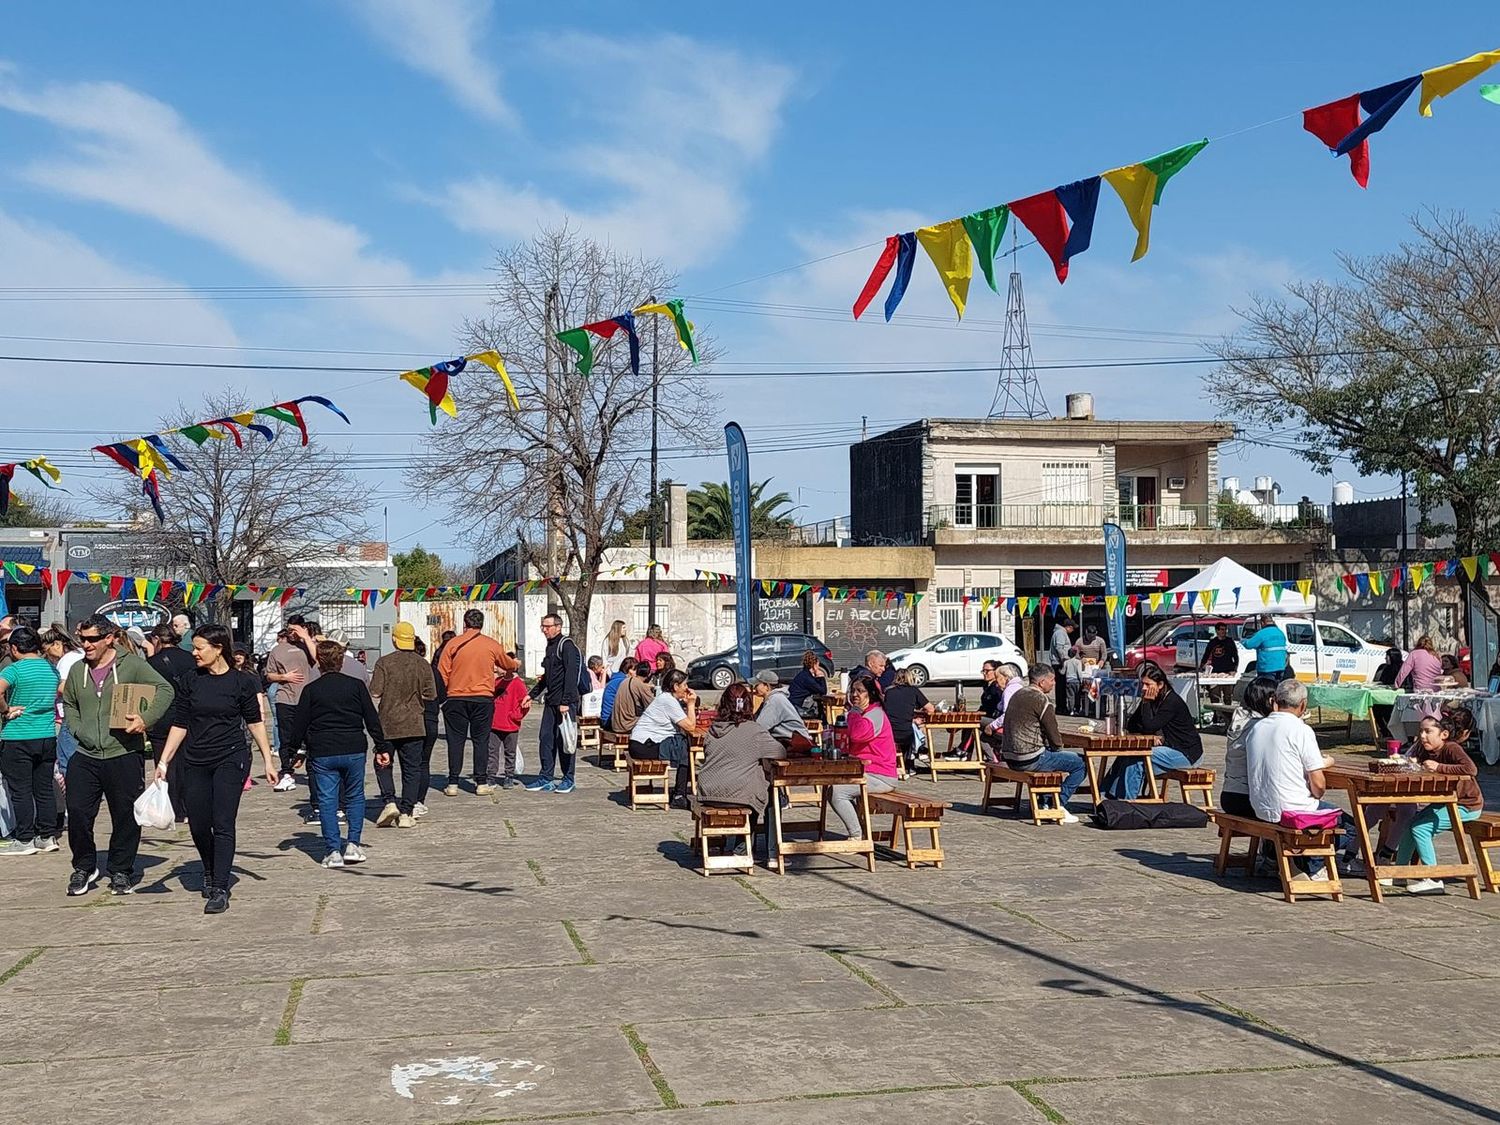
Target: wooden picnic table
x,y
956,723
820,773
1099,749
1368,788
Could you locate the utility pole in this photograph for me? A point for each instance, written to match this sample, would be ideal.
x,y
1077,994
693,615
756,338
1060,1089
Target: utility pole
x,y
554,498
655,527
1405,576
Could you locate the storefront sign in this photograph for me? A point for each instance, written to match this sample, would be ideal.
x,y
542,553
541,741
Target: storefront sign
x,y
1135,577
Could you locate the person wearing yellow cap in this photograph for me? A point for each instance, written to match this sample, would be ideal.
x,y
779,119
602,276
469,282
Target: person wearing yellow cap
x,y
402,683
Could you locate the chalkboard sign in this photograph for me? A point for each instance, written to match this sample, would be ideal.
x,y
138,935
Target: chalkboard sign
x,y
853,628
781,615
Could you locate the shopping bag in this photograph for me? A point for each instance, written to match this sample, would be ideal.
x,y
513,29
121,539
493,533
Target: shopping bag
x,y
567,732
7,814
592,704
153,808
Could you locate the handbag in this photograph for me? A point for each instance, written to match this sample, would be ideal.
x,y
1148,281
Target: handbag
x,y
1132,815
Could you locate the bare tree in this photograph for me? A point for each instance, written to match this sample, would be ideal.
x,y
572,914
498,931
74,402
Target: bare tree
x,y
261,513
1396,368
574,456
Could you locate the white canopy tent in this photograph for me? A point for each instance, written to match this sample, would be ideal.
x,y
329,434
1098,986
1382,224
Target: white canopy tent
x,y
1225,577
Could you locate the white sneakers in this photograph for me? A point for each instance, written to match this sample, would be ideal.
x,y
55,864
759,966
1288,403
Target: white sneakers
x,y
1425,887
388,815
1068,818
419,810
333,859
353,853
286,783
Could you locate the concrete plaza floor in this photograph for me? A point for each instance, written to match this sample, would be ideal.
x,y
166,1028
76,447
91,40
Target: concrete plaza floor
x,y
540,956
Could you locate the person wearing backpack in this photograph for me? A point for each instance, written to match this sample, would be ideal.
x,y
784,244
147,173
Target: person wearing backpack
x,y
558,691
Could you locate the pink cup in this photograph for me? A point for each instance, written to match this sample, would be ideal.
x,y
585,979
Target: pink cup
x,y
1392,746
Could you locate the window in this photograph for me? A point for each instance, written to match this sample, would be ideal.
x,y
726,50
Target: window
x,y
948,620
348,616
976,496
1065,482
726,616
1299,633
949,595
641,619
1335,637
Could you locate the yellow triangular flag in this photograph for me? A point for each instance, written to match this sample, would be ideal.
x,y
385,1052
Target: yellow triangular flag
x,y
1135,184
1471,566
947,244
1208,597
1441,81
1155,600
492,360
1265,594
140,589
1111,603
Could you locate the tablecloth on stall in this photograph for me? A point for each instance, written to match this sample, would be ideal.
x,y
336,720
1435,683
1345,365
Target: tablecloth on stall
x,y
1356,699
1411,708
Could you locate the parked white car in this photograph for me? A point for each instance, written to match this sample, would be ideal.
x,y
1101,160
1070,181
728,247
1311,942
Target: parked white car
x,y
1314,650
954,657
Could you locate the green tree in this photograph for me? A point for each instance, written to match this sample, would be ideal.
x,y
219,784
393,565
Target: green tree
x,y
711,514
37,510
419,568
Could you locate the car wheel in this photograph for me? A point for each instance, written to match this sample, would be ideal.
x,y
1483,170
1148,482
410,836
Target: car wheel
x,y
722,677
916,675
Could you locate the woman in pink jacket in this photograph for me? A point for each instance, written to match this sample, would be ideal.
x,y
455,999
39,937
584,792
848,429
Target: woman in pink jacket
x,y
1422,667
652,645
871,741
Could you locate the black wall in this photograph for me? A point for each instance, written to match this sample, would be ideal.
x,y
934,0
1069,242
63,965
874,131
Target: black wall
x,y
885,489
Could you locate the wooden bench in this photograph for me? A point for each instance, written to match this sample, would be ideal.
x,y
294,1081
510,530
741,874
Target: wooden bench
x,y
910,813
1290,843
730,824
1484,834
589,736
648,783
1190,781
617,745
1041,783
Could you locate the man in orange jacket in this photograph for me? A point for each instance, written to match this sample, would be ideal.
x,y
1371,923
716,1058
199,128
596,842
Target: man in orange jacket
x,y
468,666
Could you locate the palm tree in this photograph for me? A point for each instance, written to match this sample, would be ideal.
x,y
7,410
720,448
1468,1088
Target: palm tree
x,y
711,515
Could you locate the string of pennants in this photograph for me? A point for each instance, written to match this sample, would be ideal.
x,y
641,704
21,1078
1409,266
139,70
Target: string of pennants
x,y
145,589
1061,219
1378,582
1180,601
771,588
481,591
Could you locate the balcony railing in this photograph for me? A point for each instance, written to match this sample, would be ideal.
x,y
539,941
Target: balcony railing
x,y
1132,517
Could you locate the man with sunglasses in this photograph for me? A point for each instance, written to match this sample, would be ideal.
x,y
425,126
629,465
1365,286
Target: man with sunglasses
x,y
107,763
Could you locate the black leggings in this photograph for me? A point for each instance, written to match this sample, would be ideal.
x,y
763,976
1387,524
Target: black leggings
x,y
212,795
1237,804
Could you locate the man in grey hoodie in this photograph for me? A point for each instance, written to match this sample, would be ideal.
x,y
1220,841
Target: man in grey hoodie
x,y
776,713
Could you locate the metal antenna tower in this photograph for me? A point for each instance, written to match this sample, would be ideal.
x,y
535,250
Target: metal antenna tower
x,y
1017,394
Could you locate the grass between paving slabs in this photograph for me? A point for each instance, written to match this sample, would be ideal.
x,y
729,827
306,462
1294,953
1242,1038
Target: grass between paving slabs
x,y
889,994
293,998
653,1072
536,872
767,903
317,922
576,938
22,963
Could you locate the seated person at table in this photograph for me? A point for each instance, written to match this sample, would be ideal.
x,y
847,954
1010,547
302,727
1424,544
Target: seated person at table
x,y
1031,736
665,729
876,667
776,714
809,686
1260,695
625,671
632,697
873,743
1165,716
905,705
1385,676
1422,667
1009,677
731,773
1285,767
1452,670
991,706
1440,753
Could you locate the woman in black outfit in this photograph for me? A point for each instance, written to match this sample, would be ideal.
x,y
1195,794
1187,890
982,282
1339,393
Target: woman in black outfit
x,y
207,713
1162,713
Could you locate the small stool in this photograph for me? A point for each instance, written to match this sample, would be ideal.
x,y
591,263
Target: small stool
x,y
910,812
1041,783
729,823
1190,781
588,736
647,779
617,746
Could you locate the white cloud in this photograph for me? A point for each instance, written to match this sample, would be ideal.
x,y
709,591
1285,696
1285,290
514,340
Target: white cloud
x,y
675,127
445,40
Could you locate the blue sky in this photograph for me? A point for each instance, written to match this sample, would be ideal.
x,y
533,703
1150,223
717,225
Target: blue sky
x,y
397,142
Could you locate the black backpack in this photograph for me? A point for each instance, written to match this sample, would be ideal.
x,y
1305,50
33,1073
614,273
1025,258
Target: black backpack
x,y
1128,815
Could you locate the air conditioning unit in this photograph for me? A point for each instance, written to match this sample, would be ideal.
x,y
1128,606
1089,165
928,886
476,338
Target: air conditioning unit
x,y
1177,482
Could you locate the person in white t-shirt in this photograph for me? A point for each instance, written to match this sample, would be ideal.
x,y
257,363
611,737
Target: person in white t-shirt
x,y
1285,766
664,731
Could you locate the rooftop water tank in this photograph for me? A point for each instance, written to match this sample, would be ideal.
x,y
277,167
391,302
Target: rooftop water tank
x,y
1081,407
1343,492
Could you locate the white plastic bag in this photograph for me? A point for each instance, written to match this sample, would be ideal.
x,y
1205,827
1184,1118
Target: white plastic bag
x,y
153,808
567,733
593,704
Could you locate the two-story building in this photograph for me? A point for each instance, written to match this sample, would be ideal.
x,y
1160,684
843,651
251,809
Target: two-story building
x,y
1016,507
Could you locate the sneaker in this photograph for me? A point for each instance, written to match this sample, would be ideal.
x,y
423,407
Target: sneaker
x,y
44,844
484,789
120,884
450,790
1067,818
1386,882
508,783
80,882
218,901
406,821
1321,876
312,817
285,784
921,761
340,815
678,802
1354,867
388,815
1425,887
419,810
564,786
353,853
541,785
17,847
333,859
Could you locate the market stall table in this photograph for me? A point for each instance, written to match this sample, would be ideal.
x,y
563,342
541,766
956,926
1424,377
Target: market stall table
x,y
1217,689
1370,788
1355,700
1098,749
956,723
1412,707
820,773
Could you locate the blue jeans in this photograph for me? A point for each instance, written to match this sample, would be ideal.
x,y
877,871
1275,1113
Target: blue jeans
x,y
341,782
1062,761
549,745
1124,784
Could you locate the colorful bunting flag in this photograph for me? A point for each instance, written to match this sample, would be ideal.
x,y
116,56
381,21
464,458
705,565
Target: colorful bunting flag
x,y
947,244
673,310
1333,122
1381,105
1080,200
578,340
877,277
906,257
1490,93
986,228
1441,81
1045,217
38,467
1140,187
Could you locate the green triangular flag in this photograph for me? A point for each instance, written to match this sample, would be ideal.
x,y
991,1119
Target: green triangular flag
x,y
1168,164
986,228
578,340
1490,94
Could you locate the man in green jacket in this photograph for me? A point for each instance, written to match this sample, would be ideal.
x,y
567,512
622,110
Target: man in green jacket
x,y
109,762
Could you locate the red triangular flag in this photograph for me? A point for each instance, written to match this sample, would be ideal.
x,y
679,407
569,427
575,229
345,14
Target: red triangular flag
x,y
1044,216
878,275
116,584
62,577
46,579
1333,122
